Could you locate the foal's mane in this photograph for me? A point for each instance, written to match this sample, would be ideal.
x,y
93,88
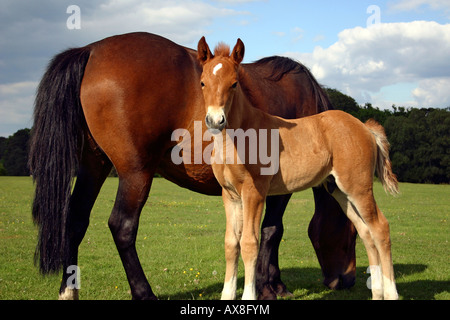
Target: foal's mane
x,y
222,50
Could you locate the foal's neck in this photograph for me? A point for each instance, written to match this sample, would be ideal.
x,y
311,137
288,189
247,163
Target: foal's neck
x,y
245,116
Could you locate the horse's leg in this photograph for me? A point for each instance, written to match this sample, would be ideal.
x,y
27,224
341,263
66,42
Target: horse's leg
x,y
94,168
268,280
123,223
253,205
233,210
333,237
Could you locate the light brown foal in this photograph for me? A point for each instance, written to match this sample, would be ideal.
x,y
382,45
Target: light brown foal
x,y
331,148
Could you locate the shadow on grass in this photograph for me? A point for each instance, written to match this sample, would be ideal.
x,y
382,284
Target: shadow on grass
x,y
306,283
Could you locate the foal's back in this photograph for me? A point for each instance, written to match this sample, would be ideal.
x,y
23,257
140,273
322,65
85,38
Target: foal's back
x,y
332,142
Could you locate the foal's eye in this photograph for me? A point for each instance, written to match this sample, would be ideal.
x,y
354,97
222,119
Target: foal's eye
x,y
234,85
202,84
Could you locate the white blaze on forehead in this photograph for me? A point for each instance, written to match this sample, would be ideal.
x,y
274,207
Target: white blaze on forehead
x,y
217,68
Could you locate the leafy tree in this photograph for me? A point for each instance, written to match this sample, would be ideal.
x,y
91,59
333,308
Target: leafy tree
x,y
420,145
3,141
15,153
420,138
369,112
342,101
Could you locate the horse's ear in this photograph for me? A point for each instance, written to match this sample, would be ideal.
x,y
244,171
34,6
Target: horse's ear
x,y
238,52
203,52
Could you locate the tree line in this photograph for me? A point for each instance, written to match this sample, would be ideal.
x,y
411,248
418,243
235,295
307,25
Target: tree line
x,y
420,140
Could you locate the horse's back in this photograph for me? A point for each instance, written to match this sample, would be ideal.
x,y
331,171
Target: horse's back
x,y
137,88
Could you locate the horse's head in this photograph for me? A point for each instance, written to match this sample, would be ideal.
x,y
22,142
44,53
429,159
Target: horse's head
x,y
219,80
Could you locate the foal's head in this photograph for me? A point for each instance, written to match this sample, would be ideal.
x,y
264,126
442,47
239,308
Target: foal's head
x,y
219,80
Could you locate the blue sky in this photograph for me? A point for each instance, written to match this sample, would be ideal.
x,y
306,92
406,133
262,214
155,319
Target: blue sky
x,y
302,25
403,60
296,27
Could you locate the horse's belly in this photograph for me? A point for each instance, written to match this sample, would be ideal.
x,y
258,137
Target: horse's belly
x,y
196,177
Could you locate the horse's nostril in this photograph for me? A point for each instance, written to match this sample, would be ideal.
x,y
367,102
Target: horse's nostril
x,y
222,120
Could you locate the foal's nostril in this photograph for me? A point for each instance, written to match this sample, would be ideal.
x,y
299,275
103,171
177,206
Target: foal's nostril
x,y
215,122
208,120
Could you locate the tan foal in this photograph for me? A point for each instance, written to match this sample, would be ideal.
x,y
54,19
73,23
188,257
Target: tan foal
x,y
331,148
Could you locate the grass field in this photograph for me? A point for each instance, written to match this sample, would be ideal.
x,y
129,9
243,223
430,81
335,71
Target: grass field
x,y
180,243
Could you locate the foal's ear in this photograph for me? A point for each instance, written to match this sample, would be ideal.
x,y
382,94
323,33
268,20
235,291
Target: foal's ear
x,y
238,52
203,52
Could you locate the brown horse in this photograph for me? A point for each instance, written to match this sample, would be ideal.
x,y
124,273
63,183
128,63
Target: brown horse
x,y
304,153
117,102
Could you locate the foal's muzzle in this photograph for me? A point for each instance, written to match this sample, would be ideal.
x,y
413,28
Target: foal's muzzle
x,y
216,121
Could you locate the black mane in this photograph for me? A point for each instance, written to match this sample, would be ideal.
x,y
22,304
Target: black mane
x,y
283,65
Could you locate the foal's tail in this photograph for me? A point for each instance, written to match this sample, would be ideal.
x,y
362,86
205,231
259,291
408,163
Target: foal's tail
x,y
55,147
384,167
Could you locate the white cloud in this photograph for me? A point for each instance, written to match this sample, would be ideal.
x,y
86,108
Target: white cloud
x,y
433,92
407,5
420,6
279,33
297,34
364,60
31,33
16,103
239,1
181,21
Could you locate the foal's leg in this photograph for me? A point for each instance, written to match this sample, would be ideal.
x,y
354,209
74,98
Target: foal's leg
x,y
94,169
380,232
233,210
363,230
253,204
123,223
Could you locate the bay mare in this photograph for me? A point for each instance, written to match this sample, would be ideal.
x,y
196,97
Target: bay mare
x,y
332,145
116,102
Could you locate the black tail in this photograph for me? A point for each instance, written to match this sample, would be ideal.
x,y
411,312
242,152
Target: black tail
x,y
54,152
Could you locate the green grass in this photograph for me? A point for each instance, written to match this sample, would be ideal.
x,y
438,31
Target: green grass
x,y
180,244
